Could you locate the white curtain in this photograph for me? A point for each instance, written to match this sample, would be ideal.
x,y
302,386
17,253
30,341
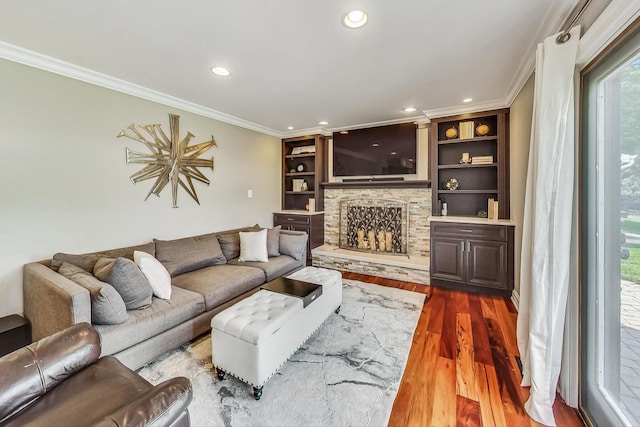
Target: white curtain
x,y
547,226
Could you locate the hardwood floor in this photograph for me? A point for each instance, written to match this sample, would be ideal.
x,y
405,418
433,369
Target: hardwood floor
x,y
462,369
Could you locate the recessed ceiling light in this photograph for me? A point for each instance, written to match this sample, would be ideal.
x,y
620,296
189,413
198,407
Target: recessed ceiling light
x,y
323,122
290,127
221,71
410,109
354,19
467,100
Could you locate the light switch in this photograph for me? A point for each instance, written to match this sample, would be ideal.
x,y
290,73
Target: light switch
x,y
250,194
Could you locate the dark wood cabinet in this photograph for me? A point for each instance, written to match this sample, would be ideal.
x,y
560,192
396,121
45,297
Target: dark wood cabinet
x,y
487,136
472,257
310,223
303,160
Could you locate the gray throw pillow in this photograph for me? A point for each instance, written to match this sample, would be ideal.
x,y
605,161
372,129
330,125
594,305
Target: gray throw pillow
x,y
230,245
125,276
189,254
293,245
107,306
84,261
273,241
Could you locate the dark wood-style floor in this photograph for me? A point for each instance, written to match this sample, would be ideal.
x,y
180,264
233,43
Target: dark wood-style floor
x,y
462,369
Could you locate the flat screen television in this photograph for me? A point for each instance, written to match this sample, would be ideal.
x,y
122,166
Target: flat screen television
x,y
384,150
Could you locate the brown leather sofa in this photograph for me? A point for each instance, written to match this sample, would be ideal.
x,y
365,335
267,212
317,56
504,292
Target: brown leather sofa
x,y
62,381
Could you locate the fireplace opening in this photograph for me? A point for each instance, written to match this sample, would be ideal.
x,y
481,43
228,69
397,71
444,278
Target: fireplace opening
x,y
374,225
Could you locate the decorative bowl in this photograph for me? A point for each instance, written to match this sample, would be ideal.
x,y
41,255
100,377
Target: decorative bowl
x,y
451,133
451,184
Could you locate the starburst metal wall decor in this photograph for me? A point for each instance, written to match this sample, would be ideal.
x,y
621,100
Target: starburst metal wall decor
x,y
170,160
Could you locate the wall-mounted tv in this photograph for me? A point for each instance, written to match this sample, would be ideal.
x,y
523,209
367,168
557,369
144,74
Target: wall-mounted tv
x,y
384,150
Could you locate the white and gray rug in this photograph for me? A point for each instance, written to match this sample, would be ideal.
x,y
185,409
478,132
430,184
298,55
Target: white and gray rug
x,y
346,374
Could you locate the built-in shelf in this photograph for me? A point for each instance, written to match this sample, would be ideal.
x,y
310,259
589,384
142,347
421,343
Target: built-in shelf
x,y
308,193
477,138
298,156
293,174
484,165
378,184
467,191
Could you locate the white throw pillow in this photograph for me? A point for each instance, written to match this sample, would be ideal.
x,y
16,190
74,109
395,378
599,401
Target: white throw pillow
x,y
155,272
253,246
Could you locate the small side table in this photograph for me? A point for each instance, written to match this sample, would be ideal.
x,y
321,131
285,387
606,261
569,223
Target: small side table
x,y
15,333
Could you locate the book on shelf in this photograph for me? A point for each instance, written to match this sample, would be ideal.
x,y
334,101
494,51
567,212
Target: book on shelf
x,y
477,160
490,207
466,129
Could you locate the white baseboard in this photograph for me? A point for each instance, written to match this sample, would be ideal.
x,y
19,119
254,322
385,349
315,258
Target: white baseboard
x,y
515,299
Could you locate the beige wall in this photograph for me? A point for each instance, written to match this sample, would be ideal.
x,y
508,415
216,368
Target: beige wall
x,y
64,183
520,134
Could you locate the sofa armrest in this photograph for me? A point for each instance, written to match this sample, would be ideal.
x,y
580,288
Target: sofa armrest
x,y
34,370
159,406
52,302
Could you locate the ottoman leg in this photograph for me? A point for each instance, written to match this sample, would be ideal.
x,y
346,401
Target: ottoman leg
x,y
257,393
337,310
220,374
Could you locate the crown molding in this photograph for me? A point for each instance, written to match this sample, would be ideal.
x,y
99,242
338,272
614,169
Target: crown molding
x,y
467,108
308,131
56,66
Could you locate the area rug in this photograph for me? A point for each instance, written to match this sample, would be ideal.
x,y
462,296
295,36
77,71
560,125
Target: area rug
x,y
347,373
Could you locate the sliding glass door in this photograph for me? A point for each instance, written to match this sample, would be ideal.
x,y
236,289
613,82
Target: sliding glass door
x,y
610,326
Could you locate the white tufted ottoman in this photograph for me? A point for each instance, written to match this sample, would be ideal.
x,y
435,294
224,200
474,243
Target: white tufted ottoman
x,y
253,338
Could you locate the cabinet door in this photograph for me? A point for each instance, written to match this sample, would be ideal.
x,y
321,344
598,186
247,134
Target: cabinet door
x,y
487,264
447,258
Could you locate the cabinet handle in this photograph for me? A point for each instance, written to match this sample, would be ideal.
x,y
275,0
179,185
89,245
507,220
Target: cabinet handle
x,y
466,230
289,219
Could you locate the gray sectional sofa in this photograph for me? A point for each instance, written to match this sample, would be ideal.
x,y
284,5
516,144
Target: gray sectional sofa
x,y
206,278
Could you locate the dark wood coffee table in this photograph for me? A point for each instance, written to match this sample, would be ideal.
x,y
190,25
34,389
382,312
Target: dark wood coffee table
x,y
307,292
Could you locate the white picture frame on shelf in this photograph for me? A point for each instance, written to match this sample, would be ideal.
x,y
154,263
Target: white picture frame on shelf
x,y
297,185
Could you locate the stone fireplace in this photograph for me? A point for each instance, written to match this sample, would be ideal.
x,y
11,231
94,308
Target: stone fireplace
x,y
374,225
400,208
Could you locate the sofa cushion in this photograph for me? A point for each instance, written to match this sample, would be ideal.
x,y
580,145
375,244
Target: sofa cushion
x,y
125,276
220,283
276,267
84,261
189,254
128,252
158,276
293,245
253,246
107,306
160,316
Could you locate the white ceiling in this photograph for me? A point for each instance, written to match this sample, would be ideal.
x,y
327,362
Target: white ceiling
x,y
292,62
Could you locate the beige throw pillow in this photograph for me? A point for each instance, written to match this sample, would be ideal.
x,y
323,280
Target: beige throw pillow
x,y
156,274
253,246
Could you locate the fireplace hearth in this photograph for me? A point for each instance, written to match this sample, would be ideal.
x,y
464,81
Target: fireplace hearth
x,y
374,225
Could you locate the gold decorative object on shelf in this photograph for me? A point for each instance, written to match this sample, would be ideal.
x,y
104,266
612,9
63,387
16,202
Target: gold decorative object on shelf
x,y
466,159
482,130
451,133
171,159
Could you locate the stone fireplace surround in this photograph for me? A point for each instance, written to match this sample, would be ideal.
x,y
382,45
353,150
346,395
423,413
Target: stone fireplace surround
x,y
413,267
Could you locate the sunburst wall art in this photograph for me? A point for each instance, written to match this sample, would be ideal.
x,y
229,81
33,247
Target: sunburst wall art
x,y
170,159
